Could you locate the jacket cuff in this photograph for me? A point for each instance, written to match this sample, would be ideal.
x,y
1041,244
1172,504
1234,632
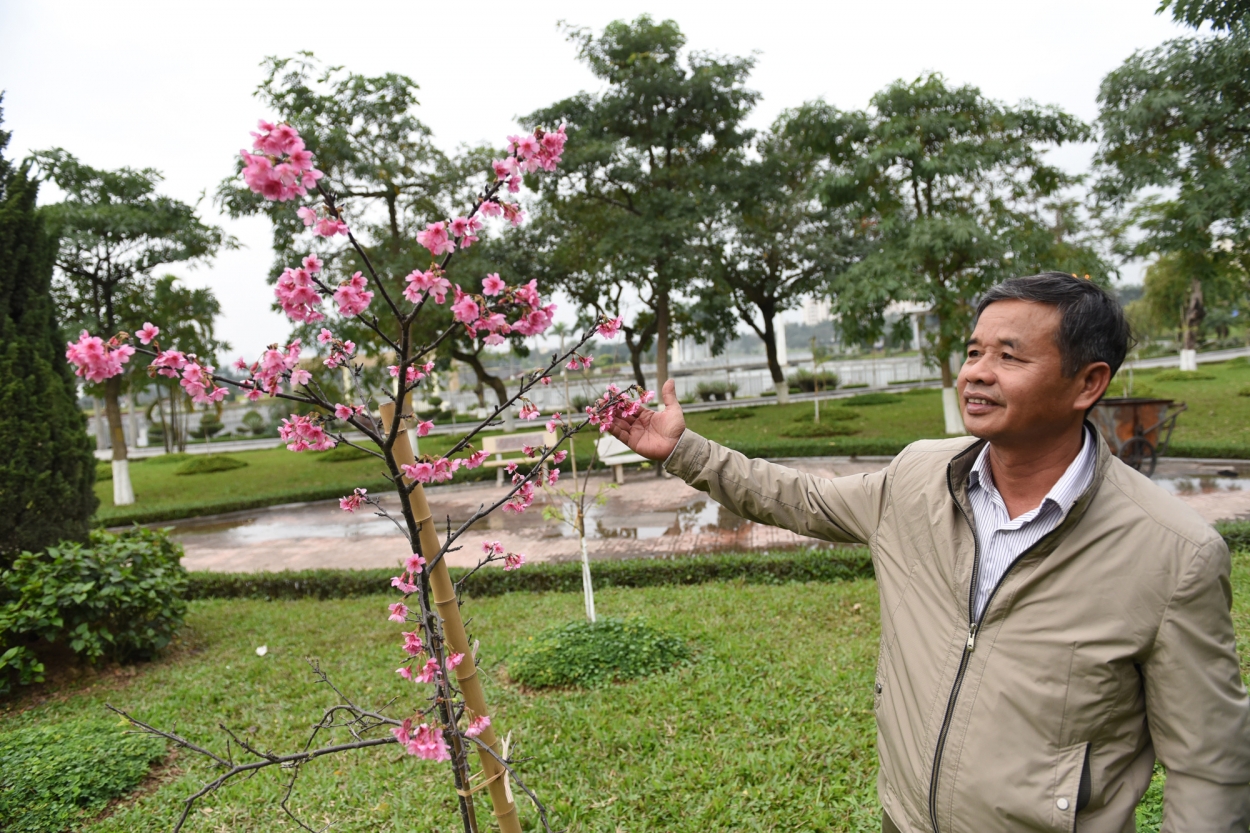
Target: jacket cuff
x,y
689,456
1195,804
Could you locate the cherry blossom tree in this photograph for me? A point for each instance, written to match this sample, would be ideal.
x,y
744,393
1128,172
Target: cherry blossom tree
x,y
446,718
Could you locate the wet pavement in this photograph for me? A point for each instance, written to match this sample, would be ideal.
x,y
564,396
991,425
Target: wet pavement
x,y
647,516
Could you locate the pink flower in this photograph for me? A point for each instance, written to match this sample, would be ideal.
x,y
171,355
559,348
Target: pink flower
x,y
493,284
546,380
324,336
403,733
330,226
430,281
423,428
283,168
399,612
428,673
299,376
352,297
305,433
96,360
553,476
308,215
342,411
405,672
465,308
513,560
420,472
352,502
313,264
529,411
553,423
492,548
298,295
477,726
609,329
475,459
558,457
148,332
453,660
401,584
414,563
428,743
521,501
435,239
413,644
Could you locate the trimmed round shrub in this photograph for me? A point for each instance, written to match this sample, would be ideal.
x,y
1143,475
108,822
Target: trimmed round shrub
x,y
727,414
873,399
585,655
209,463
56,776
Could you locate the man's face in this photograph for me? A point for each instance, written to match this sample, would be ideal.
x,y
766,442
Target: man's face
x,y
1011,386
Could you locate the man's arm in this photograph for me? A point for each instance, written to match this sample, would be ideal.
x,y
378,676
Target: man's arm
x,y
845,509
1196,703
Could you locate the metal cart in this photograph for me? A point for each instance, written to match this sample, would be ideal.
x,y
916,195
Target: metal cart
x,y
1138,430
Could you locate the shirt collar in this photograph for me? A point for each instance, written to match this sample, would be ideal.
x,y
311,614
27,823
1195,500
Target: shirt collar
x,y
1066,491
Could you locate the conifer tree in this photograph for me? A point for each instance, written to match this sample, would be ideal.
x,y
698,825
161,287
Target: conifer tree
x,y
47,470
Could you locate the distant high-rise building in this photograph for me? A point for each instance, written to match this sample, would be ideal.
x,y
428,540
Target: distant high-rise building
x,y
815,311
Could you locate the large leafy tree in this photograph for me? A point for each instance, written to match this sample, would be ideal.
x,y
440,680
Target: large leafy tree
x,y
1175,153
631,199
115,230
47,469
954,194
772,243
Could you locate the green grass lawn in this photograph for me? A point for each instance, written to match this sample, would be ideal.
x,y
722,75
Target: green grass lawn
x,y
1217,424
770,728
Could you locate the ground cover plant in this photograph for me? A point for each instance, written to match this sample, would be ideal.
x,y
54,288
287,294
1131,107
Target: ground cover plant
x,y
699,747
447,719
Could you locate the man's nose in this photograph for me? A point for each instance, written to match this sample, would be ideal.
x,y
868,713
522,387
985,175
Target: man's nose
x,y
976,371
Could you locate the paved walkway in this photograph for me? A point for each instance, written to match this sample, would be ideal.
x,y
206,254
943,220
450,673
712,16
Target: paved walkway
x,y
648,516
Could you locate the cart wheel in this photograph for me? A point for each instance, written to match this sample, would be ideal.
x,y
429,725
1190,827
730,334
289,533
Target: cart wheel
x,y
1140,454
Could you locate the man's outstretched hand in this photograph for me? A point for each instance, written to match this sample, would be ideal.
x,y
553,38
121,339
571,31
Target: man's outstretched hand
x,y
651,434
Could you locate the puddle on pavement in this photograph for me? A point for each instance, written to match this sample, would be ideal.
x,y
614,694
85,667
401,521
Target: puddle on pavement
x,y
1202,484
325,520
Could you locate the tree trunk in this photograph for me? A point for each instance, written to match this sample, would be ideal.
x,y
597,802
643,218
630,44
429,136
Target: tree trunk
x,y
1195,311
951,415
635,359
484,376
123,493
774,366
661,340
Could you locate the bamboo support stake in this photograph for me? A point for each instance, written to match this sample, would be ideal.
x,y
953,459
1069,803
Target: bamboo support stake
x,y
444,596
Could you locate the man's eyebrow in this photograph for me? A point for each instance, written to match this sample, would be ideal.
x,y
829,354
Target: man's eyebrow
x,y
1009,342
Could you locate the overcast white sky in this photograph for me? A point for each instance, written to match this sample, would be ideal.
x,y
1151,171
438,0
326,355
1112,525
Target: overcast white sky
x,y
169,84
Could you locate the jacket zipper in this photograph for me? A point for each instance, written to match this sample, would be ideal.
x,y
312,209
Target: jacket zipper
x,y
974,623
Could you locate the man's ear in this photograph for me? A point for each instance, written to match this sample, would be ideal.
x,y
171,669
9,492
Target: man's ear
x,y
1093,379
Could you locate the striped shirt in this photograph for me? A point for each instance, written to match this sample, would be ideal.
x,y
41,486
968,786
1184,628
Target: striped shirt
x,y
1000,538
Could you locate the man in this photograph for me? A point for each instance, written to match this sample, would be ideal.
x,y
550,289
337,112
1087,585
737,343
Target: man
x,y
1051,621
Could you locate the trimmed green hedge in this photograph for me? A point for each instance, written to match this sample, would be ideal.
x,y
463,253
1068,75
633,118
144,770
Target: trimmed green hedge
x,y
1208,448
811,564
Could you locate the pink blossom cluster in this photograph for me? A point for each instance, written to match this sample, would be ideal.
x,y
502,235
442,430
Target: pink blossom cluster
x,y
96,360
524,496
305,433
282,168
477,725
340,349
613,404
275,364
346,412
197,381
508,210
413,373
296,291
353,501
406,582
322,226
579,361
527,154
437,471
609,327
426,742
352,297
529,410
168,363
430,281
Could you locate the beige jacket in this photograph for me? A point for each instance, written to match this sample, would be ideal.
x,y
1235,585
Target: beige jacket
x,y
1106,644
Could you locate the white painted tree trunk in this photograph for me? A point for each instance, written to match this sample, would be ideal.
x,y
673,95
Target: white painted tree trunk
x,y
783,392
123,492
588,591
1189,359
950,412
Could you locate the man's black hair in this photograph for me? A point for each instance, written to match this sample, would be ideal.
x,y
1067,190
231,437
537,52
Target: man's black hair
x,y
1092,327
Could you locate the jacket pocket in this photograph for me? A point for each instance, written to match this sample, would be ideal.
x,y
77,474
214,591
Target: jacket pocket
x,y
1072,778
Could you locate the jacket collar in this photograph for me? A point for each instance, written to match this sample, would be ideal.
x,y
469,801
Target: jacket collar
x,y
960,466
